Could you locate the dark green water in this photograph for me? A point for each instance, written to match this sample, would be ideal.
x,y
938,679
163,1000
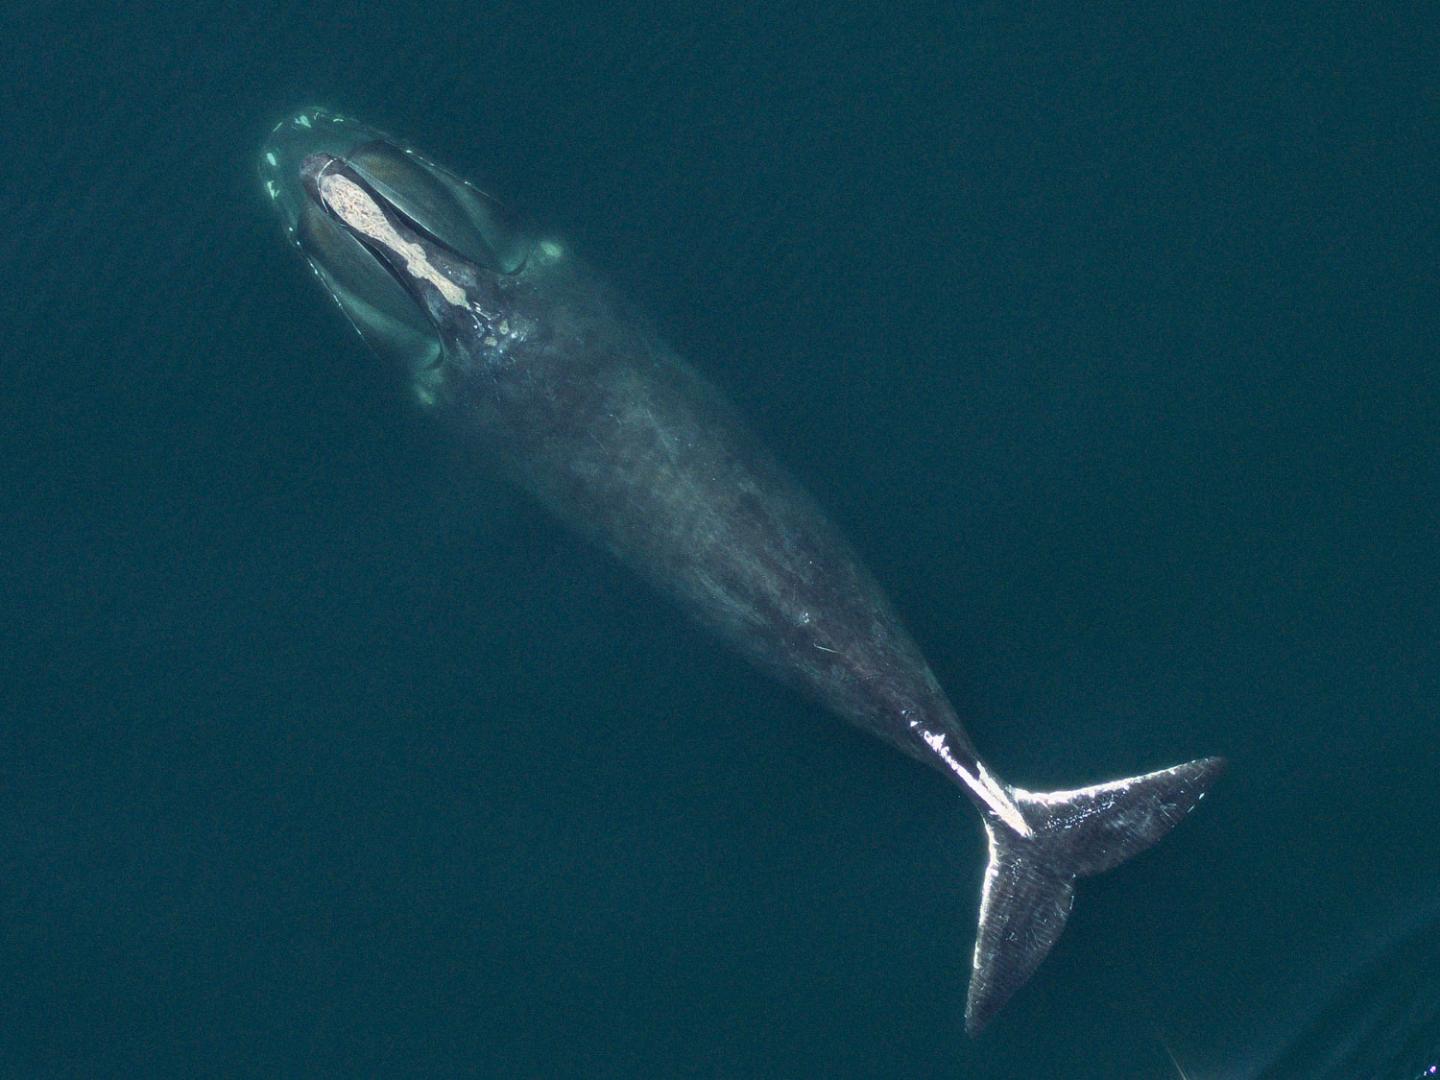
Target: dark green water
x,y
1107,333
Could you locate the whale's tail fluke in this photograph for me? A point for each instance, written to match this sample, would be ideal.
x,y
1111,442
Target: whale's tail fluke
x,y
1030,881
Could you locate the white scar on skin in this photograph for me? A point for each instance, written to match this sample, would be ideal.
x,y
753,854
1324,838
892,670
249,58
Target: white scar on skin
x,y
983,785
357,209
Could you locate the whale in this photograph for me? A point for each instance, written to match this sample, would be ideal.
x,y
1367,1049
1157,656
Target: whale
x,y
557,383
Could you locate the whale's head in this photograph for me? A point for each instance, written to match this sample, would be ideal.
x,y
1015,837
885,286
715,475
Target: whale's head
x,y
416,257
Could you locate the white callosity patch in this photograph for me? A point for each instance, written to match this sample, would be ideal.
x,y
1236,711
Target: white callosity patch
x,y
353,205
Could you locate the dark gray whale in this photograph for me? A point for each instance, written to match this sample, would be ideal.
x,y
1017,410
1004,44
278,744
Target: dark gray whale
x,y
569,393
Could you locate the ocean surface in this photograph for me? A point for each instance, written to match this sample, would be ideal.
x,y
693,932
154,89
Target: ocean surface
x,y
1106,332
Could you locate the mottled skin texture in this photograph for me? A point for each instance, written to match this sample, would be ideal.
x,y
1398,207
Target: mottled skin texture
x,y
621,439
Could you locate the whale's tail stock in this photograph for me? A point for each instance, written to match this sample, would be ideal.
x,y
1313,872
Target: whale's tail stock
x,y
1030,881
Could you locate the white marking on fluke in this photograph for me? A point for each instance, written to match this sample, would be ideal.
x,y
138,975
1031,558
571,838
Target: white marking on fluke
x,y
983,785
